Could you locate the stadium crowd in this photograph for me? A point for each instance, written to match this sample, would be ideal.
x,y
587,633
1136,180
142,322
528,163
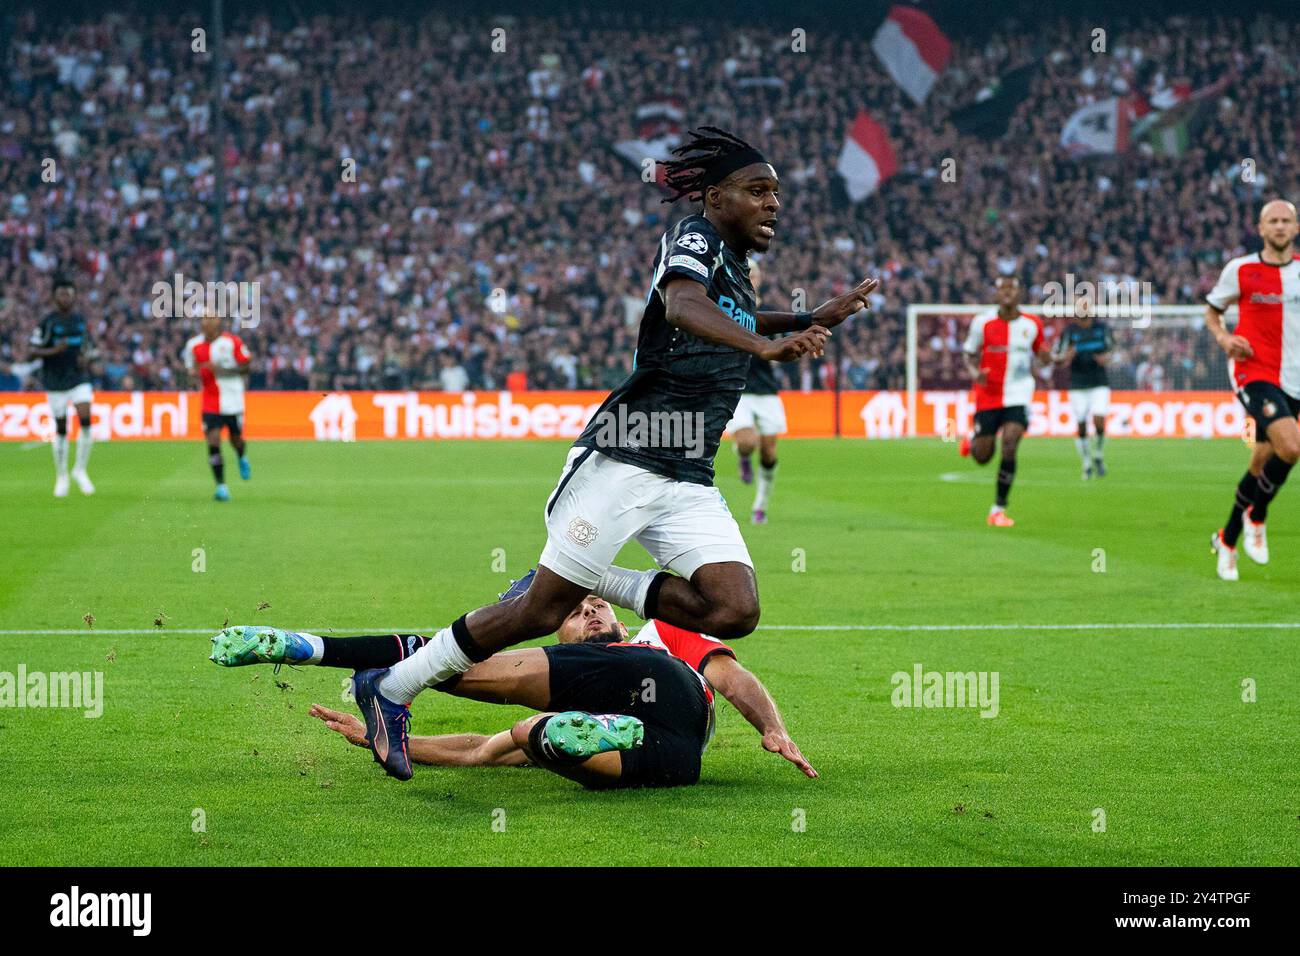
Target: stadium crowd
x,y
421,211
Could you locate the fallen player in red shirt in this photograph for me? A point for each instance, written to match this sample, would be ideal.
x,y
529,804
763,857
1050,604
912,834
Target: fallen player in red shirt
x,y
617,711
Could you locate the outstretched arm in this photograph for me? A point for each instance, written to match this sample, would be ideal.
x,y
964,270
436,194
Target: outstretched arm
x,y
687,306
748,695
447,750
828,315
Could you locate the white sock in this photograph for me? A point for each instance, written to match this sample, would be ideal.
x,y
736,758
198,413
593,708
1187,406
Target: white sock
x,y
996,508
625,588
765,478
1096,446
1082,445
432,664
84,441
317,647
61,455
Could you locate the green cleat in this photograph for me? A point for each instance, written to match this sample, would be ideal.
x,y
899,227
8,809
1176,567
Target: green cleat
x,y
581,735
251,644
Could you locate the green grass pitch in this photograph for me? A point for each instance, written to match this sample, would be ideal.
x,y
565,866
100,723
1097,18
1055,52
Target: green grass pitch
x,y
1148,724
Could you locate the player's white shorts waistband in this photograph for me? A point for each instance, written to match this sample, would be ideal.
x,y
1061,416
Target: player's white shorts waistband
x,y
1086,403
59,401
763,413
600,504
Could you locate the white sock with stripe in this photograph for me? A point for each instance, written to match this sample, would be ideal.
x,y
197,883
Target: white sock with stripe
x,y
766,476
84,441
432,664
625,588
61,455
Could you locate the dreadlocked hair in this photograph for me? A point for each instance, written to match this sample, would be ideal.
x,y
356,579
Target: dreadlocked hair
x,y
685,175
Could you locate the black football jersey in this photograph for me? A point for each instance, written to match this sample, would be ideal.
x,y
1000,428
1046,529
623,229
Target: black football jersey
x,y
63,370
1087,342
691,385
762,377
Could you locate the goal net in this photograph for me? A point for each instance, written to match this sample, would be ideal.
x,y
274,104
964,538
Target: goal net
x,y
1163,348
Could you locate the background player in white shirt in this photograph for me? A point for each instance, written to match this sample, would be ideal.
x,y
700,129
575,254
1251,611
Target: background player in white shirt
x,y
999,355
222,362
759,418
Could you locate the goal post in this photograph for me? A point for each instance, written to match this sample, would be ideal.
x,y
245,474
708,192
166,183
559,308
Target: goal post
x,y
1158,348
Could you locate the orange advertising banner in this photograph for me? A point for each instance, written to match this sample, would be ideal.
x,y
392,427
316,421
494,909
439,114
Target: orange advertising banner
x,y
357,416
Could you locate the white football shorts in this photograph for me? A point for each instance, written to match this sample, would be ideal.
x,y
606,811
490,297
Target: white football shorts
x,y
763,413
600,504
60,401
1088,403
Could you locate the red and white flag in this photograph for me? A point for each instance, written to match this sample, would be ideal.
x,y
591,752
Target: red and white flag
x,y
867,158
1102,127
659,126
913,50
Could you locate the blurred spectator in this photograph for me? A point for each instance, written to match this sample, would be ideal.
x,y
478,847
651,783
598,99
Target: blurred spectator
x,y
452,377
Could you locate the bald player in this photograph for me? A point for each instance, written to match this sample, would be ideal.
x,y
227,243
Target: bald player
x,y
1264,365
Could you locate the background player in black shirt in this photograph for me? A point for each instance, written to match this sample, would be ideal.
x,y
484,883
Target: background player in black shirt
x,y
61,343
759,418
1085,345
643,467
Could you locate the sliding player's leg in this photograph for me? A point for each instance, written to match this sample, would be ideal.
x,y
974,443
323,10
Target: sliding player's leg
x,y
511,677
639,700
541,737
242,644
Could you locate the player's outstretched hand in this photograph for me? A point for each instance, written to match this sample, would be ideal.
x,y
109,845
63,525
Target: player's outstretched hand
x,y
1236,346
352,728
810,341
834,311
778,743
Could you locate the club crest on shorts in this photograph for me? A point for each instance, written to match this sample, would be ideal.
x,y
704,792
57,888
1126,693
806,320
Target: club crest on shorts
x,y
582,532
1270,409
